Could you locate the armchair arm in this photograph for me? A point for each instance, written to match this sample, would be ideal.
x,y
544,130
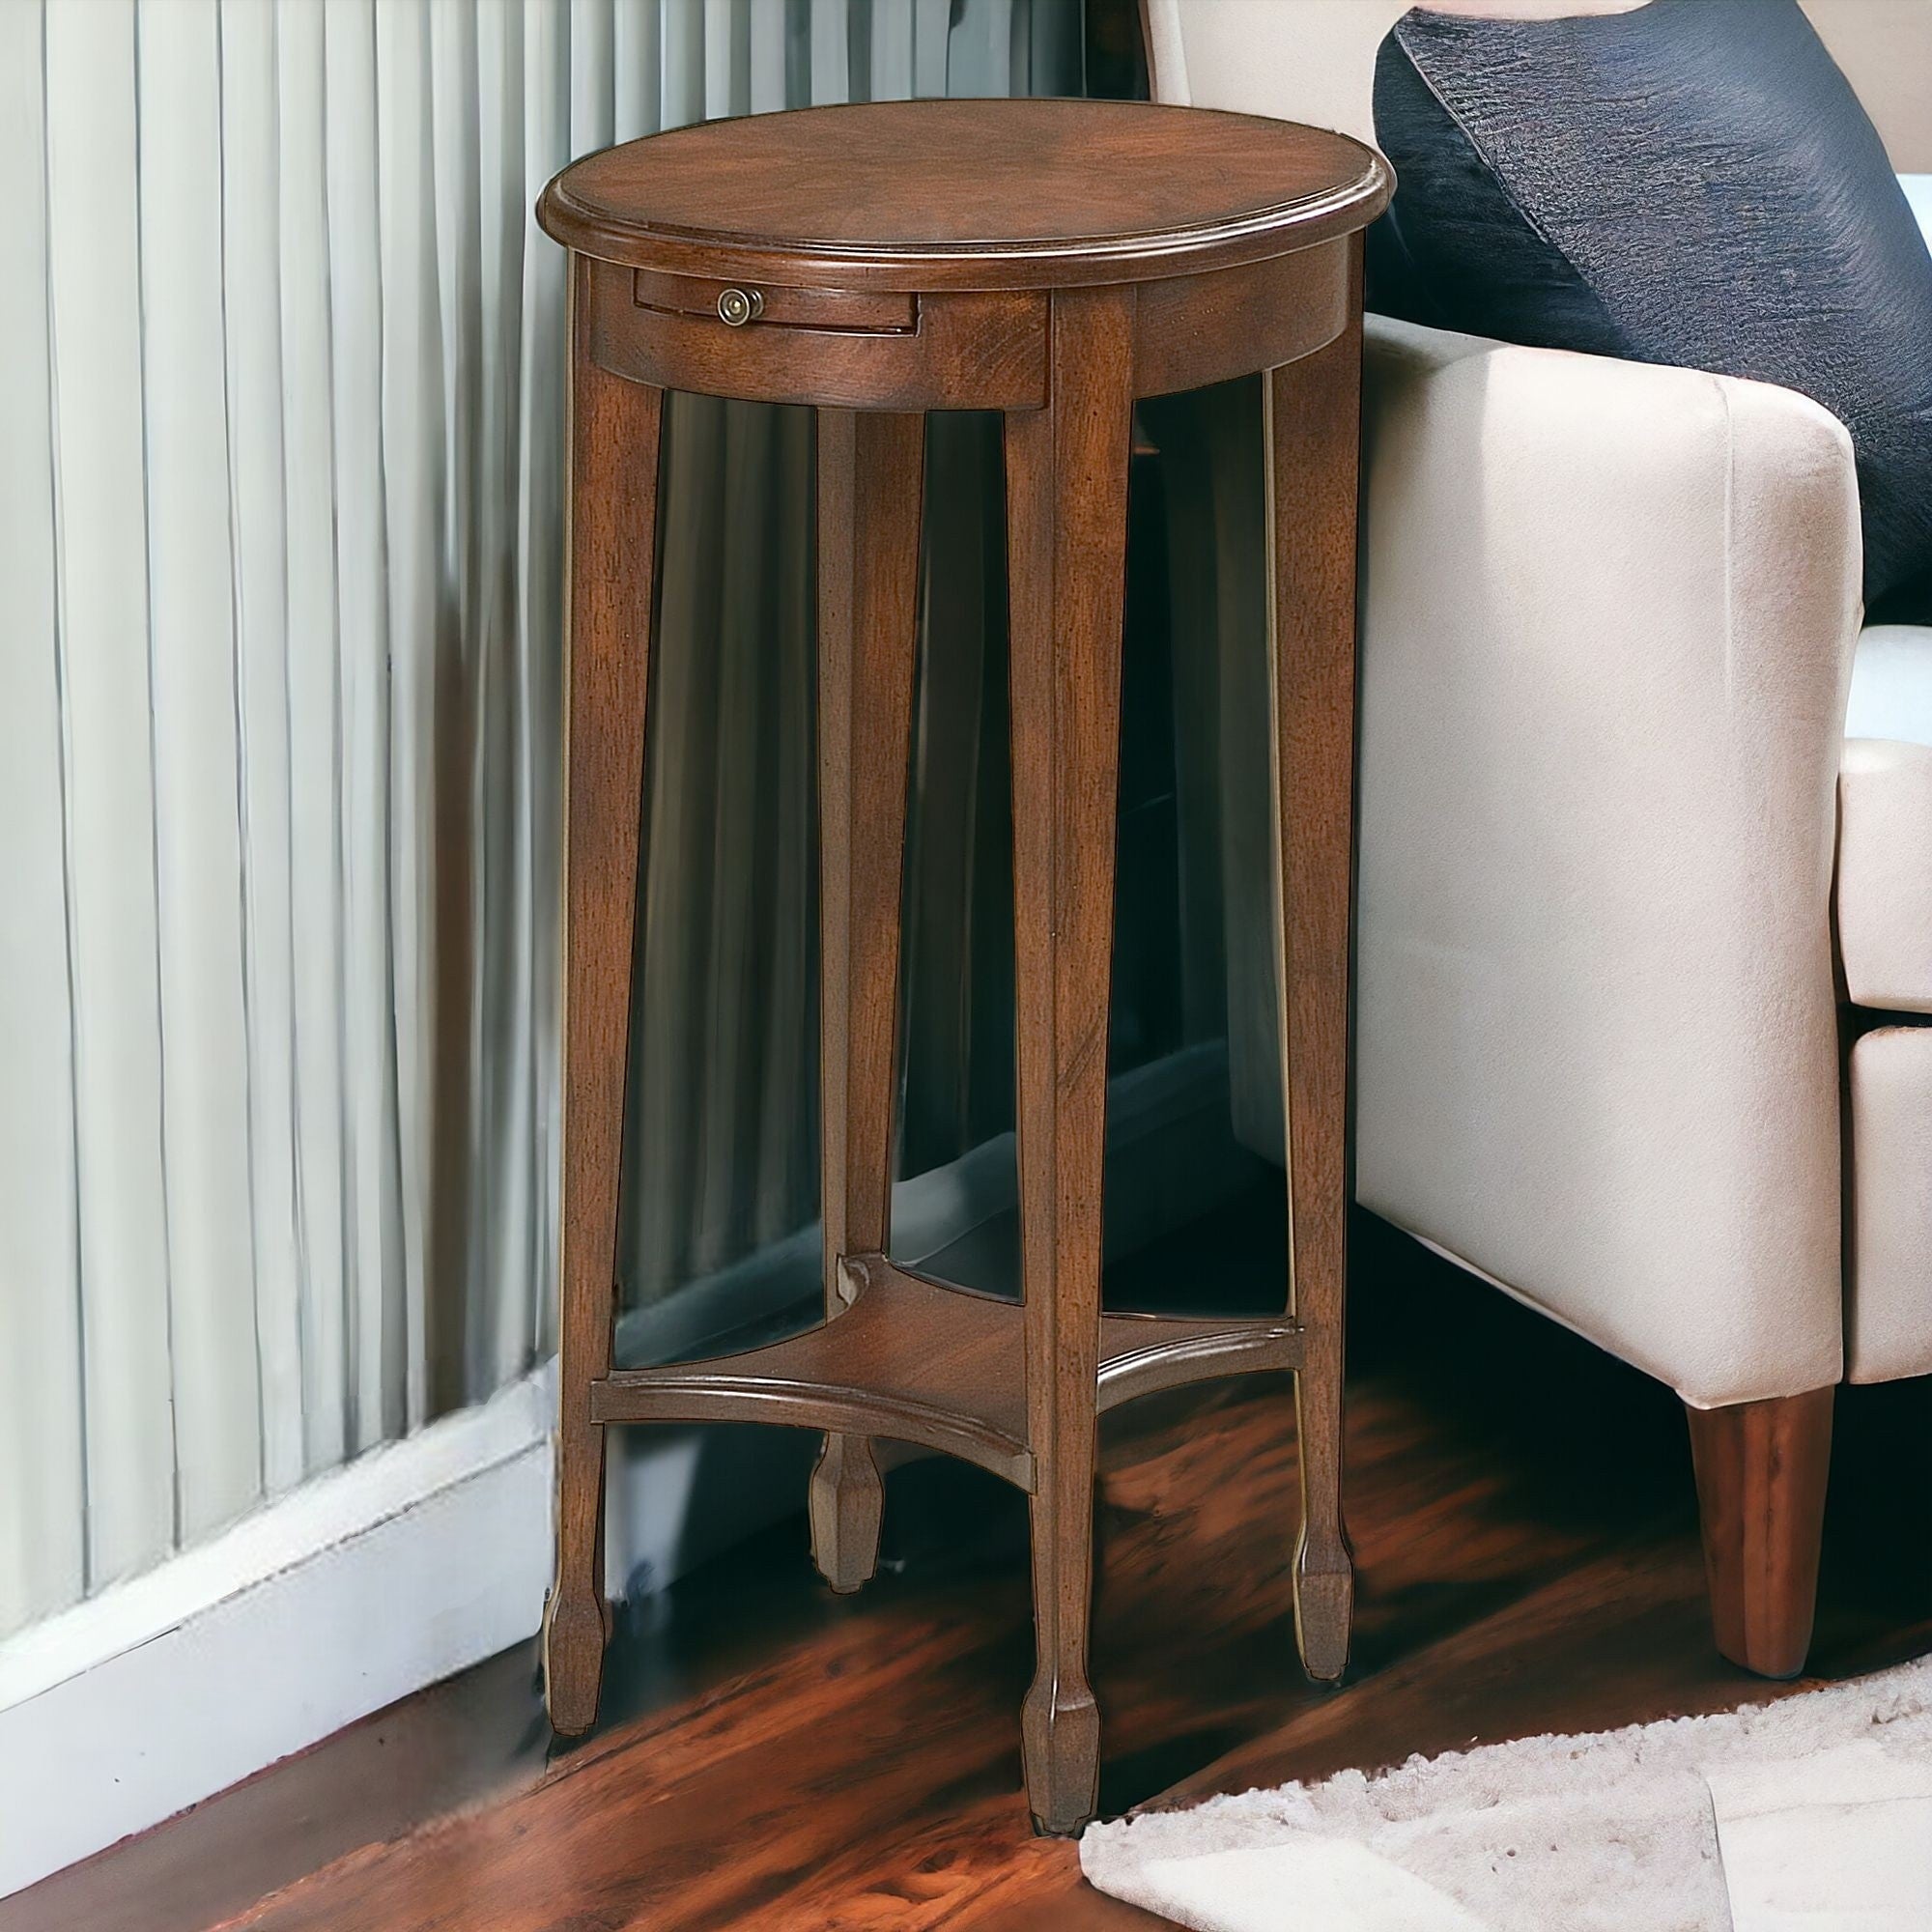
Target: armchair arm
x,y
1609,615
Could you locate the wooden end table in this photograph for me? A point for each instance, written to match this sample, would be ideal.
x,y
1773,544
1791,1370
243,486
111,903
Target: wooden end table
x,y
1052,260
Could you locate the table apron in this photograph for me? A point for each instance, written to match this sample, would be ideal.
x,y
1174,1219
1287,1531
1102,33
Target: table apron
x,y
972,349
965,348
1191,330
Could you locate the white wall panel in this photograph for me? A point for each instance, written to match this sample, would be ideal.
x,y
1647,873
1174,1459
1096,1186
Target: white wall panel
x,y
281,472
311,614
42,1559
377,1303
124,1317
251,330
425,679
195,700
506,1261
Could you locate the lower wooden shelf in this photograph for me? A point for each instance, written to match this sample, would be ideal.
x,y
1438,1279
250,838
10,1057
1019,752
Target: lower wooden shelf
x,y
927,1362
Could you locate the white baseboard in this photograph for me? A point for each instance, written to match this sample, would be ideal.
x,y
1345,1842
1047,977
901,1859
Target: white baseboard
x,y
419,1559
428,1555
412,1563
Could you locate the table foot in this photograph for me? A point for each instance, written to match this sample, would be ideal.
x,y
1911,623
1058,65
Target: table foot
x,y
847,1501
1324,1609
1060,1742
576,1623
1324,1571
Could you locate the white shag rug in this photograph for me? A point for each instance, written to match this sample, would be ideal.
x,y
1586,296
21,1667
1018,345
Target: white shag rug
x,y
1814,1812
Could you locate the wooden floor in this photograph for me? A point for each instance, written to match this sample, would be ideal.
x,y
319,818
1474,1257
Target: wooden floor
x,y
775,1757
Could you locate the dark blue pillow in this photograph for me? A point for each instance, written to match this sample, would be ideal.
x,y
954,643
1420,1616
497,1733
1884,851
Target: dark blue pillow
x,y
1692,181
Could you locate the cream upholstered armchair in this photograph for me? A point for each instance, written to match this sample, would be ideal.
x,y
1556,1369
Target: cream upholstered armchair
x,y
1628,891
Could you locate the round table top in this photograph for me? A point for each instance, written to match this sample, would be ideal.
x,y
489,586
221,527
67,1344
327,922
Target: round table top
x,y
966,194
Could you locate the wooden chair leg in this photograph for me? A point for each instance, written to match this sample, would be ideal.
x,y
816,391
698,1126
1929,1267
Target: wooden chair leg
x,y
1761,1473
613,467
1067,485
871,470
1314,409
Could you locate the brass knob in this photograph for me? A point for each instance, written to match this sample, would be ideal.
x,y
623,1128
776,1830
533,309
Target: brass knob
x,y
738,306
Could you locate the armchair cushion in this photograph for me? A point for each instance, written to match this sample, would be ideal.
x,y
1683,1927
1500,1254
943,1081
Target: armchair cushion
x,y
1885,824
1891,685
1889,1309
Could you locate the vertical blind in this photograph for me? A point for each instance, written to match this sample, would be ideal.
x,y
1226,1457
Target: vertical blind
x,y
281,363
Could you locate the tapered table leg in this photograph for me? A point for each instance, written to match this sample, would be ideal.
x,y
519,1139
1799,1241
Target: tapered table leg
x,y
871,469
1066,489
614,470
1313,412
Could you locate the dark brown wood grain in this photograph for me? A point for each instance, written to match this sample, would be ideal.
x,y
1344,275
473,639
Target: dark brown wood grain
x,y
871,470
980,349
912,1360
1192,330
614,463
1066,537
1052,260
971,350
965,194
849,311
931,1363
1761,1474
1314,409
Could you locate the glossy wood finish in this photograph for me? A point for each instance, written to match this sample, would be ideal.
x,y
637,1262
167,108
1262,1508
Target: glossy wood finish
x,y
965,194
615,427
977,349
1196,329
778,1758
1314,412
1053,260
926,1362
1761,1475
1067,579
850,311
872,472
1067,557
973,350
